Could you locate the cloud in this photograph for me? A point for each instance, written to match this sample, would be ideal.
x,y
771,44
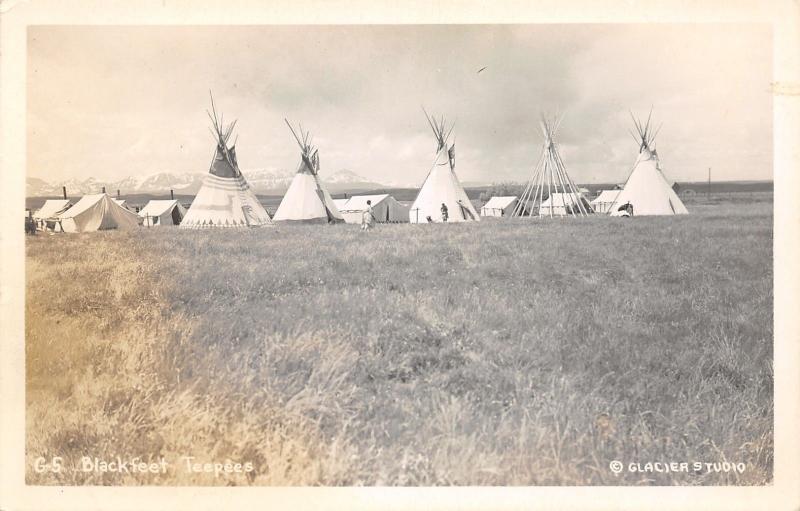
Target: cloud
x,y
107,102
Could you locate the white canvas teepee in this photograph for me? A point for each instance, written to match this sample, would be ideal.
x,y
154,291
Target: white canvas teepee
x,y
225,199
97,212
441,186
162,212
306,200
647,189
550,191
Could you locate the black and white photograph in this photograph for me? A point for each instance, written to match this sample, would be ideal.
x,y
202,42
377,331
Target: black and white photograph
x,y
399,254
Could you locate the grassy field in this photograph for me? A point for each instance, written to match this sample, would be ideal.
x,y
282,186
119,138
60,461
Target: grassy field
x,y
500,353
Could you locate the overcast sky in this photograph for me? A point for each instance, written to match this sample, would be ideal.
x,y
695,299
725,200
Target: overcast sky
x,y
108,102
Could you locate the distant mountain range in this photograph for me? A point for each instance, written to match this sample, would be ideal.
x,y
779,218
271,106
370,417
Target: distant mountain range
x,y
188,183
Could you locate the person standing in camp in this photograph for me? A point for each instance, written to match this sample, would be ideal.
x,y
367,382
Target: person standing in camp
x,y
627,208
30,225
367,217
444,212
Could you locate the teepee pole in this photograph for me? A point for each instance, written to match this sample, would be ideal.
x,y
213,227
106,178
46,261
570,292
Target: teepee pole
x,y
539,212
527,193
570,185
565,192
533,186
558,170
550,181
294,134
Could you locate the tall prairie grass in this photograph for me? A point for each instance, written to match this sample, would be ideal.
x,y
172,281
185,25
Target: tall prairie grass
x,y
499,353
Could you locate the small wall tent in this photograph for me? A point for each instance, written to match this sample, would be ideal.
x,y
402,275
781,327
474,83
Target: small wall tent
x,y
564,204
602,203
385,209
51,209
499,206
162,212
97,212
339,203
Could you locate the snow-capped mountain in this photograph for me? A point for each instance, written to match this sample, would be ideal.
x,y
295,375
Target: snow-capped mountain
x,y
263,181
344,176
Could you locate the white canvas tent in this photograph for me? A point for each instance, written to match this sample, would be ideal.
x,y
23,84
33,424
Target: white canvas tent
x,y
647,189
306,200
225,199
442,186
97,212
385,209
550,191
52,208
564,204
339,203
122,202
162,212
602,203
500,206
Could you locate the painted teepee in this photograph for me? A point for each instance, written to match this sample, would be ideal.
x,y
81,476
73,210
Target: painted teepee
x,y
441,186
306,200
225,199
550,191
647,190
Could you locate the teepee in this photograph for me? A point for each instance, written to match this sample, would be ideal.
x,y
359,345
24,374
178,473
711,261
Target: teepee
x,y
647,189
441,186
550,191
225,199
306,200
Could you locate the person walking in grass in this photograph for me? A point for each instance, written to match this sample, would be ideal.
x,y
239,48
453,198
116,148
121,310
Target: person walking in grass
x,y
367,217
444,212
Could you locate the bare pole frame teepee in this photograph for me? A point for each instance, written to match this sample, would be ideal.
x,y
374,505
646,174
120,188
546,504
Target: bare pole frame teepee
x,y
550,177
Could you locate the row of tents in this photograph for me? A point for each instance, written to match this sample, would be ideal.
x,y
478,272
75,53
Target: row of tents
x,y
95,212
225,199
506,205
